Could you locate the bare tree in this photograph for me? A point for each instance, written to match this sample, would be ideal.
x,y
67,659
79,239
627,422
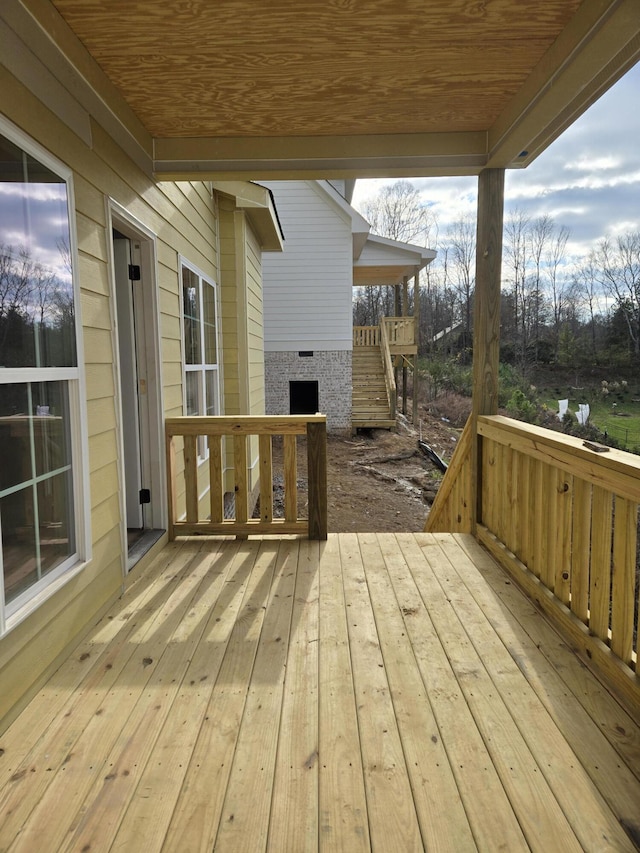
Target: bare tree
x,y
398,212
540,234
461,269
588,287
558,285
619,268
516,246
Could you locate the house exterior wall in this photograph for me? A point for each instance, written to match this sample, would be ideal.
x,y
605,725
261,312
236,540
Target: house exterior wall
x,y
308,287
332,371
307,302
184,219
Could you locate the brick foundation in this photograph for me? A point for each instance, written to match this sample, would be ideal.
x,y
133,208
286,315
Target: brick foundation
x,y
332,372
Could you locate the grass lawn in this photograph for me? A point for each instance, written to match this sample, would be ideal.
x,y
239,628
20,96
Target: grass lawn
x,y
617,412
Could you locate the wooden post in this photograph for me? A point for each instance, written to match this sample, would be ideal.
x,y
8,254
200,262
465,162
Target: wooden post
x,y
397,311
416,321
486,326
397,306
405,311
317,479
171,482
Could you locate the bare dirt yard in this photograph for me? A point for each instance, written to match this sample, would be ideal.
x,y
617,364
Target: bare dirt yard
x,y
380,481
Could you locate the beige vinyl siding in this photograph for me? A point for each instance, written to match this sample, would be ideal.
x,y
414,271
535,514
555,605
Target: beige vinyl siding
x,y
255,325
183,218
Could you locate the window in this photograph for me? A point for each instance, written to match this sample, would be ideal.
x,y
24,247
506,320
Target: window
x,y
200,333
39,375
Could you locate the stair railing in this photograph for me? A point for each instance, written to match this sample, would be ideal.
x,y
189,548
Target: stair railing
x,y
389,377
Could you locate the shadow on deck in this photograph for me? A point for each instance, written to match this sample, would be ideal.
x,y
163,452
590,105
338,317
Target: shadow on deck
x,y
375,691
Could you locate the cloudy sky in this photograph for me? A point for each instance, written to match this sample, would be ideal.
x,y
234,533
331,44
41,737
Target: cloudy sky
x,y
588,179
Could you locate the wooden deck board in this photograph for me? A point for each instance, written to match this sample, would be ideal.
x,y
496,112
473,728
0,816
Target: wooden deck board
x,y
377,691
582,804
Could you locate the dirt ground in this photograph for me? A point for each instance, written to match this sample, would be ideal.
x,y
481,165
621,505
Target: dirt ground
x,y
380,481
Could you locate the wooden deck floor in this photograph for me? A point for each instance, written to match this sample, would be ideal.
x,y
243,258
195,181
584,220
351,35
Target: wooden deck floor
x,y
378,691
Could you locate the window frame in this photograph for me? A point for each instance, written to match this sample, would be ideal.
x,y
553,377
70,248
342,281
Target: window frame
x,y
201,368
14,612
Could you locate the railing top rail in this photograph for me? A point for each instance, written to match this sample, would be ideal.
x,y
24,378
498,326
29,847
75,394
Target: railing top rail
x,y
616,470
241,424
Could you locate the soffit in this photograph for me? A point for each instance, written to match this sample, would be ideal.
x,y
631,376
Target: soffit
x,y
343,87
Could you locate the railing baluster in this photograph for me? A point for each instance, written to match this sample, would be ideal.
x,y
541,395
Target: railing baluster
x,y
266,478
548,530
525,508
562,580
600,584
290,478
624,569
240,473
510,499
191,476
580,548
216,486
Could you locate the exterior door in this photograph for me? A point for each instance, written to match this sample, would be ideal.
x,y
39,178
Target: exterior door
x,y
132,378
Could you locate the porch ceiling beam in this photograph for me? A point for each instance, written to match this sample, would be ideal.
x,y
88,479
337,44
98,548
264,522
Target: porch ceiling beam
x,y
588,57
287,157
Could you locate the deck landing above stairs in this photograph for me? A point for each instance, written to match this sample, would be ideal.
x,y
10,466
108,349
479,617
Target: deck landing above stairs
x,y
377,691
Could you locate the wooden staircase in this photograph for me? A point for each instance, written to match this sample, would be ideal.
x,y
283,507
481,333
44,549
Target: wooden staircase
x,y
370,404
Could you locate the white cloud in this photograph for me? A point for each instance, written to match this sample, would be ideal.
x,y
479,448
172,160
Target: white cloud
x,y
588,179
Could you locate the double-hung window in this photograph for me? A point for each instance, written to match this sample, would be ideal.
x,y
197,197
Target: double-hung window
x,y
40,483
200,338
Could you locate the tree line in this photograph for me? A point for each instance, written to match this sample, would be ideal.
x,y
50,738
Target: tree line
x,y
36,311
555,308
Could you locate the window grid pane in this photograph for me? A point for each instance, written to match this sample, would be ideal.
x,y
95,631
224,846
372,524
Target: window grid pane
x,y
38,333
36,482
202,396
209,324
37,316
192,324
211,380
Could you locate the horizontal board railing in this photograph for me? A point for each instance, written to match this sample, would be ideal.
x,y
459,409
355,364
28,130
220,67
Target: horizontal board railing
x,y
200,477
561,515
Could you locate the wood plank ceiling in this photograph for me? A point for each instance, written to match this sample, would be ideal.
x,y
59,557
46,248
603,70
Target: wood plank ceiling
x,y
347,87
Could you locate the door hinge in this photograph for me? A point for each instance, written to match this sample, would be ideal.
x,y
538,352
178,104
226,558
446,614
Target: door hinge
x,y
145,496
134,272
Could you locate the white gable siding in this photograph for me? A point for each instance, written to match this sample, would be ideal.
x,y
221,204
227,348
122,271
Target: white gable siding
x,y
308,287
375,253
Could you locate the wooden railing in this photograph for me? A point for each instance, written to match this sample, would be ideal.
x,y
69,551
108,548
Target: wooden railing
x,y
389,377
401,331
366,336
562,518
451,509
195,478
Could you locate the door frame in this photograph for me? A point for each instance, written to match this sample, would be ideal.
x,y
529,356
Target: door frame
x,y
153,461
